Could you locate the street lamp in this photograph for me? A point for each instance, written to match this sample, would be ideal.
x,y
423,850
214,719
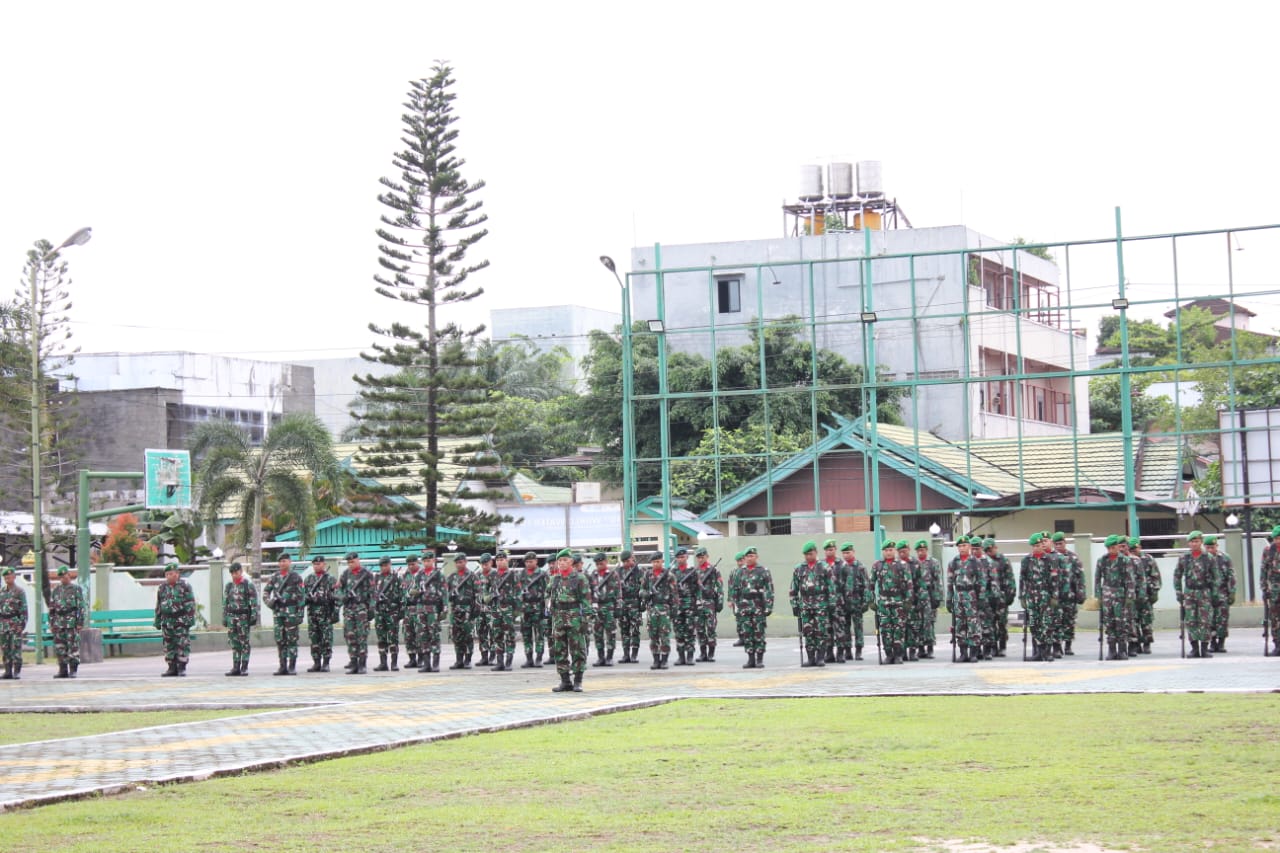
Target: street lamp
x,y
79,238
628,482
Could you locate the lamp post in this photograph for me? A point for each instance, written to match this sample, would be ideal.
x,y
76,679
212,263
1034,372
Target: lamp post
x,y
79,238
628,481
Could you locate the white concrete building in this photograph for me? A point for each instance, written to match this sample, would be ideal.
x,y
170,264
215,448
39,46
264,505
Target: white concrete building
x,y
550,326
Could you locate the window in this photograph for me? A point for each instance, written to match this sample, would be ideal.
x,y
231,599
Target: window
x,y
1064,525
729,294
921,523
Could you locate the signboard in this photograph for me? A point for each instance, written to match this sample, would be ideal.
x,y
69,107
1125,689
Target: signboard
x,y
168,479
547,526
1250,457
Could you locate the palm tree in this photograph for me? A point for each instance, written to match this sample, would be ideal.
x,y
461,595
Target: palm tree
x,y
230,469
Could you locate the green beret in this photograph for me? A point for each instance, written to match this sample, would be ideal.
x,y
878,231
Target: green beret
x,y
962,539
751,550
486,557
600,557
384,561
352,555
461,558
284,555
62,570
988,542
808,546
1211,540
1109,541
655,557
1275,531
848,546
564,552
830,543
1135,542
1035,538
922,543
889,545
701,552
1059,536
902,543
1195,534
171,566
8,570
412,558
317,559
624,556
236,567
428,554
741,555
529,555
577,558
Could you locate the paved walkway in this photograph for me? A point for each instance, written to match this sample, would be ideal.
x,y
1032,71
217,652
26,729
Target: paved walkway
x,y
333,714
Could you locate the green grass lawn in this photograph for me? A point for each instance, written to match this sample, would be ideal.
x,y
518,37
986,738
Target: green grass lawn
x,y
24,728
1150,772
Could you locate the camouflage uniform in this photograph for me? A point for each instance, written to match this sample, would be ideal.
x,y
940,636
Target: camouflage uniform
x,y
570,601
606,592
710,605
483,624
388,610
407,580
860,598
987,601
684,620
322,613
911,616
1074,596
929,599
13,624
426,600
1271,589
504,600
355,594
240,612
967,588
1113,586
891,587
464,608
66,618
752,595
659,596
1147,593
838,624
812,598
1193,584
533,611
1007,584
1037,579
729,586
175,616
286,595
631,610
1224,595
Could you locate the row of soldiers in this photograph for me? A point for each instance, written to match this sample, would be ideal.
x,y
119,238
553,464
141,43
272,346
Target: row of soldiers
x,y
67,614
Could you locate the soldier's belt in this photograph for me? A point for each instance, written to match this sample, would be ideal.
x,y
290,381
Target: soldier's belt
x,y
560,606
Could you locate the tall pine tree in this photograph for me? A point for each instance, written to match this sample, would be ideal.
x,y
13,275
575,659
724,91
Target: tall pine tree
x,y
435,410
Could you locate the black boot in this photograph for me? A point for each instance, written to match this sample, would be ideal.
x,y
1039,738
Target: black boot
x,y
395,653
62,669
484,658
1066,648
1195,650
829,656
435,661
564,686
528,661
182,669
608,657
457,660
809,661
293,664
751,661
964,654
352,665
316,666
711,652
1222,645
657,661
284,666
599,661
666,658
507,665
8,672
424,662
171,671
626,654
857,653
17,668
839,654
235,668
988,651
382,662
324,666
1205,650
1111,649
73,668
244,667
577,682
537,661
500,664
1146,647
364,663
412,662
1057,650
759,660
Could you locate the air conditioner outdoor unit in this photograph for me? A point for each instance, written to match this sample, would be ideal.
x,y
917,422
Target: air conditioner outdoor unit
x,y
755,528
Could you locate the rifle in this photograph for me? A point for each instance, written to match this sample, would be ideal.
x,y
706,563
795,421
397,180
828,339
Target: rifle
x,y
879,656
1100,626
1182,627
1266,627
1026,624
800,631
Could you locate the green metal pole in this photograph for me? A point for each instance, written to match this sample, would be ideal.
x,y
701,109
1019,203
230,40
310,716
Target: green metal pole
x,y
1126,398
664,434
870,377
83,564
37,496
628,449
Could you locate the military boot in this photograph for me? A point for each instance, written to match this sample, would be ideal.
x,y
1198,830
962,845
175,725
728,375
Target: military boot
x,y
466,660
457,661
293,664
1205,650
711,652
626,654
182,669
608,657
599,661
1222,645
316,666
364,663
759,660
382,662
1195,650
751,661
528,661
680,652
988,651
353,664
577,682
839,654
1066,648
1111,649
739,643
17,668
235,668
62,669
829,655
395,654
244,667
8,672
324,667
808,661
964,654
1146,647
657,662
1057,650
1133,649
635,654
564,686
484,658
507,664
284,666
171,671
412,662
74,667
1122,650
857,653
435,661
666,658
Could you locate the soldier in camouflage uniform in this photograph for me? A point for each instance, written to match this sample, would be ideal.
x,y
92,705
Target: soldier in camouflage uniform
x,y
1006,585
66,618
355,594
533,610
240,612
631,610
464,597
1037,578
838,624
426,600
1193,584
286,595
13,624
891,587
738,560
684,620
1224,594
710,605
1113,585
857,599
1271,589
570,601
929,597
388,610
175,616
322,613
967,587
812,598
606,593
659,596
1072,570
484,611
911,617
752,594
1148,581
504,601
410,626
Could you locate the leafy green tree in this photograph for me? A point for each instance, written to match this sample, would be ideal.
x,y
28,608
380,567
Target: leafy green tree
x,y
1149,413
438,389
1038,251
230,470
178,530
520,369
741,459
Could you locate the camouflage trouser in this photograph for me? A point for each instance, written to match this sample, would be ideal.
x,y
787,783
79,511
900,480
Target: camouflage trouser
x,y
1143,619
840,626
66,638
1115,614
569,642
987,618
1002,625
410,635
532,631
967,619
502,631
813,627
856,619
176,638
928,624
892,628
11,645
629,623
659,631
355,628
483,628
911,623
320,632
462,628
428,630
238,627
1041,615
286,639
753,627
1273,614
684,623
605,630
1067,622
1221,616
386,626
708,621
1198,613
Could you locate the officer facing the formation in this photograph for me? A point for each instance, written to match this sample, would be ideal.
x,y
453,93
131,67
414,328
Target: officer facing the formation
x,y
388,610
1006,585
464,597
858,599
1148,583
966,588
533,608
355,594
504,601
630,582
838,624
606,593
812,598
240,612
322,613
1224,594
13,624
410,627
570,601
891,587
66,618
1193,584
1114,588
1271,589
286,595
751,591
659,596
685,618
1036,590
426,600
175,616
929,597
1074,596
710,605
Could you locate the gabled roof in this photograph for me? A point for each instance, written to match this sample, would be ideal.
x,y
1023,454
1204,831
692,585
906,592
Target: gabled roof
x,y
681,519
529,491
451,474
345,533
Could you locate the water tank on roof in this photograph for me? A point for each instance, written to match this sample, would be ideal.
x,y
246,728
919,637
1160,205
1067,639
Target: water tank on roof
x,y
870,184
811,183
840,180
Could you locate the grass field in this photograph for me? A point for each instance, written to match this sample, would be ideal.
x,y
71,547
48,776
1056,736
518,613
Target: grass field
x,y
1149,772
25,728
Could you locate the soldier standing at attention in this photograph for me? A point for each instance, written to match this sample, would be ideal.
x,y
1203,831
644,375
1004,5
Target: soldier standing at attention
x,y
1007,589
812,598
240,613
858,599
685,618
175,614
966,588
1193,584
355,594
630,582
464,595
66,618
322,613
891,588
606,592
388,609
1114,588
484,613
929,597
1271,588
710,605
431,597
1224,593
533,608
753,601
911,616
838,624
286,595
738,560
660,597
1035,586
1074,590
1147,574
570,600
410,626
13,624
504,599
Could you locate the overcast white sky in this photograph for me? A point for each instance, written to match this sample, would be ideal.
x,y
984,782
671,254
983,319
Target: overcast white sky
x,y
227,155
